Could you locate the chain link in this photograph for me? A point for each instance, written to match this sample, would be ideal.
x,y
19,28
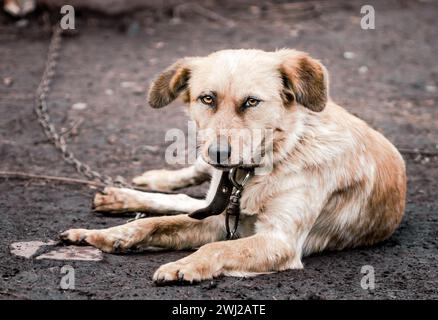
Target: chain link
x,y
41,109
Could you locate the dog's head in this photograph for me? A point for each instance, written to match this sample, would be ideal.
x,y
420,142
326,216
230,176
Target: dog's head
x,y
242,100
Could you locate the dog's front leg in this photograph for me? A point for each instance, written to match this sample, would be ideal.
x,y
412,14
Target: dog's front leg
x,y
281,231
260,253
116,200
170,232
169,180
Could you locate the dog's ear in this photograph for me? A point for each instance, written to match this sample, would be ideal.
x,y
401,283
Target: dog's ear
x,y
169,84
304,80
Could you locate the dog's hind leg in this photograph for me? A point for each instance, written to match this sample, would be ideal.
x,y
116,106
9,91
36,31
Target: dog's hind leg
x,y
169,180
117,200
172,232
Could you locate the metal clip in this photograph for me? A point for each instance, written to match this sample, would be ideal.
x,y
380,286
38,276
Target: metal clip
x,y
233,208
233,178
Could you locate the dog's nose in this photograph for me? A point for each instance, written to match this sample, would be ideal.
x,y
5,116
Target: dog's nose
x,y
219,153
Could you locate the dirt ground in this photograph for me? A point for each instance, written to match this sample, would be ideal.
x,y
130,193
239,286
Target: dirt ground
x,y
390,81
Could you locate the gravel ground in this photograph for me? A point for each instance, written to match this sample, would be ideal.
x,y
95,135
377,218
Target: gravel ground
x,y
390,81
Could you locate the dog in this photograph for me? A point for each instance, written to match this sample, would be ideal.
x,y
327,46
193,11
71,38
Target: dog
x,y
335,182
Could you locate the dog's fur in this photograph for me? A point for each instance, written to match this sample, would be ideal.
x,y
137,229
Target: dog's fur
x,y
336,183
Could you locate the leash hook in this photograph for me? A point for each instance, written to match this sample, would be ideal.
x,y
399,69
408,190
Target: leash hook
x,y
233,208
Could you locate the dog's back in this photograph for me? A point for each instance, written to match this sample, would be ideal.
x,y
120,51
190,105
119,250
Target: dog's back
x,y
368,202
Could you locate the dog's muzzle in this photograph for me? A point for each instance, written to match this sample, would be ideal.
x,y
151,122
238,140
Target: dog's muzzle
x,y
219,153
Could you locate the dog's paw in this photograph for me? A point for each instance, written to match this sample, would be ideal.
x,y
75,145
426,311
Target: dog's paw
x,y
180,272
112,200
74,236
157,180
95,238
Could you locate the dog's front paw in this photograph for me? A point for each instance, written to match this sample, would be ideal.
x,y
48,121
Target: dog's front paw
x,y
95,238
74,236
157,180
113,200
183,272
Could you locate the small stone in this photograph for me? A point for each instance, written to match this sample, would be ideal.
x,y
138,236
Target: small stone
x,y
430,88
425,160
73,253
135,87
294,33
79,106
349,55
7,81
363,69
22,23
159,45
175,21
127,84
255,10
148,148
112,139
211,285
28,248
109,92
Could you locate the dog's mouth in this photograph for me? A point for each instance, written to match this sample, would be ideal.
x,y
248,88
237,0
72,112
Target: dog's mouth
x,y
226,167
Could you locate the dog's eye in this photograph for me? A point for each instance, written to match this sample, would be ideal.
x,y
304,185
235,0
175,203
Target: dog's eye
x,y
208,100
251,102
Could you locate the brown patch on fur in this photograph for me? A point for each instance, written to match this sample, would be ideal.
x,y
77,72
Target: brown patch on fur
x,y
186,96
387,202
168,85
303,80
385,205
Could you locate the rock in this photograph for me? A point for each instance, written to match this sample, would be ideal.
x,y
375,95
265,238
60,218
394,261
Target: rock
x,y
127,84
430,88
79,106
175,21
111,139
363,69
73,253
159,45
22,23
133,86
349,55
29,248
7,81
255,10
294,33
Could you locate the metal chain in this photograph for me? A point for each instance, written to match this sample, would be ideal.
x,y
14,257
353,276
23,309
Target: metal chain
x,y
41,109
233,208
